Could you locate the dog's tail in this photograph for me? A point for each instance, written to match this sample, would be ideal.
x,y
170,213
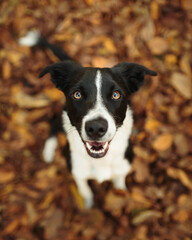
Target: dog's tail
x,y
34,38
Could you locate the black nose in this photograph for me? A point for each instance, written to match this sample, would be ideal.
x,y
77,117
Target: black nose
x,y
96,128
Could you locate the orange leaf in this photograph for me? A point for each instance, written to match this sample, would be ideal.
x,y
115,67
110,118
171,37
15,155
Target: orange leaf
x,y
158,45
152,125
6,70
163,142
6,176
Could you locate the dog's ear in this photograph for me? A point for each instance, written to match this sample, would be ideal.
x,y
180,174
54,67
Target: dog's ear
x,y
61,73
133,74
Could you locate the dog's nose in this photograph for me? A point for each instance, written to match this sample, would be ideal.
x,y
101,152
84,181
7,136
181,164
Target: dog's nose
x,y
96,128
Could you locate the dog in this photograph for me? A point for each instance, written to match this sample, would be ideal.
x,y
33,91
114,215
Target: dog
x,y
97,117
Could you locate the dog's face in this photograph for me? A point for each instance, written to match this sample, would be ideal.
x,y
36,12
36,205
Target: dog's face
x,y
97,99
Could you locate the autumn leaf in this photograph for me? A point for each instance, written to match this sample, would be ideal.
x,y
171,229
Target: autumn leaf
x,y
163,142
158,45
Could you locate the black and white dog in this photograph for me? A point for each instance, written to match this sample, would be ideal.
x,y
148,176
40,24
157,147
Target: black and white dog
x,y
97,118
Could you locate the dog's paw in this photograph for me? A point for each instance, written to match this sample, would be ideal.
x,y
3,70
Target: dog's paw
x,y
119,182
49,149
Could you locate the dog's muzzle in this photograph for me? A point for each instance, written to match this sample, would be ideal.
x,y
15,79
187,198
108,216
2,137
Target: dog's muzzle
x,y
96,130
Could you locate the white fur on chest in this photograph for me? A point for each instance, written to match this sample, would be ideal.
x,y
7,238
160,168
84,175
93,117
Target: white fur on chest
x,y
106,168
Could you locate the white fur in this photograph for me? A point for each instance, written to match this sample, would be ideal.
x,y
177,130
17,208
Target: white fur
x,y
30,39
112,166
99,110
49,149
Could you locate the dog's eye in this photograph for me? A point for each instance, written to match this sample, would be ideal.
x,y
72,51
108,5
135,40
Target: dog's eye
x,y
77,95
116,95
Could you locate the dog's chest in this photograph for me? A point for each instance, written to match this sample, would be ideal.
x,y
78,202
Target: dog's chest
x,y
113,163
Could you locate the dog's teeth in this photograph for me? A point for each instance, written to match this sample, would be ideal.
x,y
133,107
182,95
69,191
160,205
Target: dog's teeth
x,y
105,146
88,145
92,150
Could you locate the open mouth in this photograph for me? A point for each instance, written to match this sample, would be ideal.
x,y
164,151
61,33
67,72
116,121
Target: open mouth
x,y
97,149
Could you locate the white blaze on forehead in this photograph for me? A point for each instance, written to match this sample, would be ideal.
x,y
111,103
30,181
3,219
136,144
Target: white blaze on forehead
x,y
98,83
99,110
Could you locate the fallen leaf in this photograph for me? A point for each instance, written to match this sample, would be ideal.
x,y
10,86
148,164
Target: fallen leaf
x,y
53,223
152,125
179,174
89,2
154,10
185,64
163,142
31,212
158,46
181,144
183,199
47,201
6,70
186,4
12,226
181,216
146,215
101,62
148,31
6,176
114,203
54,94
109,45
182,84
141,170
170,60
26,101
79,202
132,47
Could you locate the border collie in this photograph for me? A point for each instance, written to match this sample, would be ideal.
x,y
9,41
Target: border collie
x,y
97,116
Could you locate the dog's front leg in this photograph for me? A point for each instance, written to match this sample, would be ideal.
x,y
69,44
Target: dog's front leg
x,y
85,191
120,171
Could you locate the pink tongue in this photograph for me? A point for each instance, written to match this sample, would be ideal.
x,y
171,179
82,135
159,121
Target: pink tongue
x,y
96,144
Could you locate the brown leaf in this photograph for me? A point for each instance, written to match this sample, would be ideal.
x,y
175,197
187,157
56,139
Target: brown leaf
x,y
6,70
186,4
146,215
154,9
6,176
114,203
109,45
148,31
79,202
101,62
24,100
163,142
180,175
182,84
181,144
12,226
185,64
89,2
170,60
181,216
152,125
31,212
53,223
141,170
158,45
54,94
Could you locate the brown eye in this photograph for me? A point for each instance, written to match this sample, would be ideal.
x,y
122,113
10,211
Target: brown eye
x,y
116,95
77,95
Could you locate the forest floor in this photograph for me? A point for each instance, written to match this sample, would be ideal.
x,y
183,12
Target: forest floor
x,y
40,201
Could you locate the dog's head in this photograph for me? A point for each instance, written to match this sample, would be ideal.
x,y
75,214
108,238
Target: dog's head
x,y
97,99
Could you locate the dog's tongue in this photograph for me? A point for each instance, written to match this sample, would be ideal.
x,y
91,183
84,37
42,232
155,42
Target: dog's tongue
x,y
96,144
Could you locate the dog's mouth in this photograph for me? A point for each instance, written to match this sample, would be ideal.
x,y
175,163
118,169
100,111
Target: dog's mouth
x,y
97,149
